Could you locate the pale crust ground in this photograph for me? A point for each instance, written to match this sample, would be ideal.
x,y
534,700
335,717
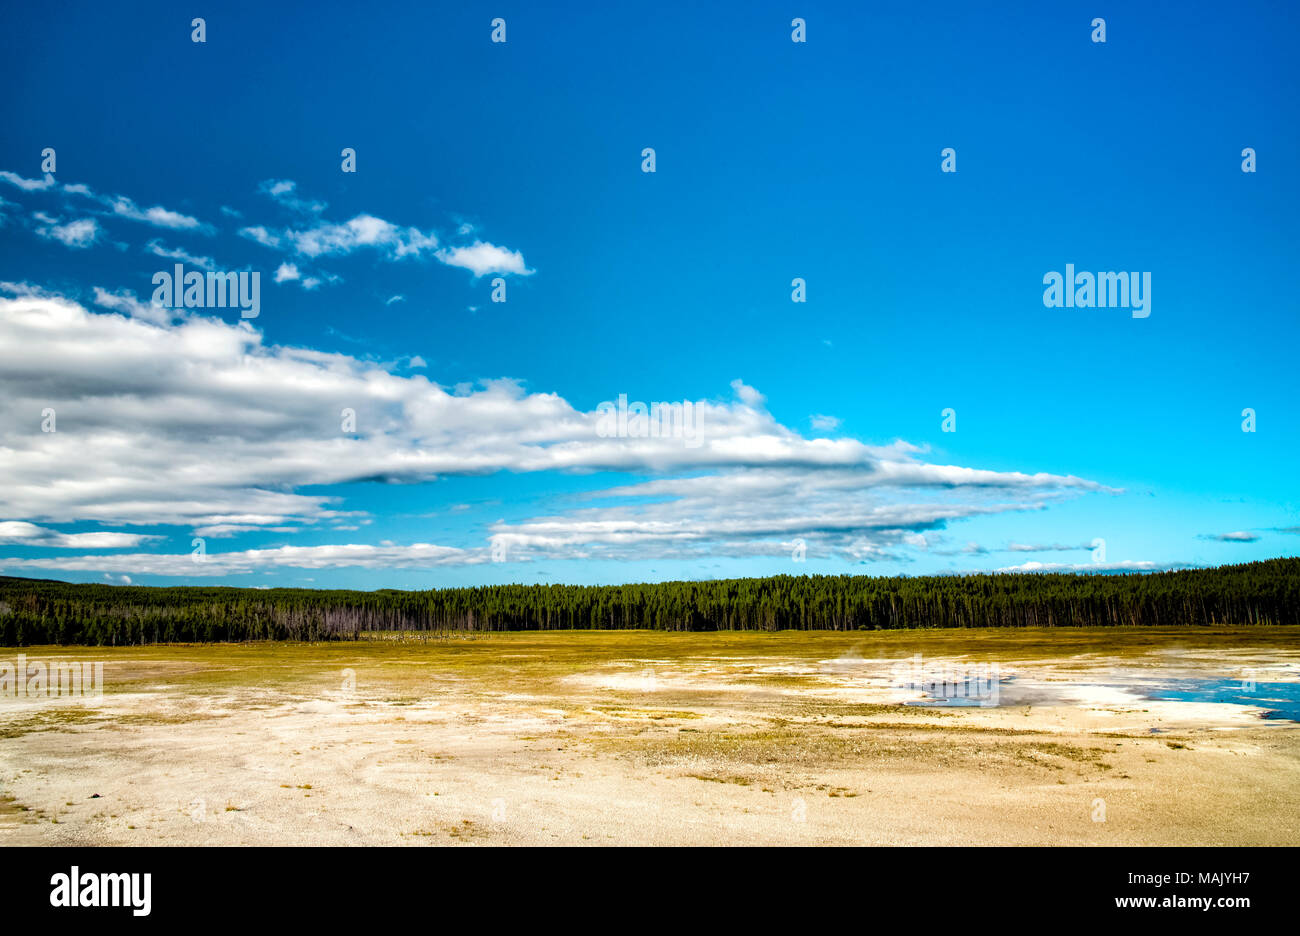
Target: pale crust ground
x,y
648,739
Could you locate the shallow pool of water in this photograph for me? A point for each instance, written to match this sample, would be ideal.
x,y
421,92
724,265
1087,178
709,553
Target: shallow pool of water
x,y
1279,700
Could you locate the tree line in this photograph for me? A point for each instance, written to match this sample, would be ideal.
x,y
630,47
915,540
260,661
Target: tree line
x,y
34,611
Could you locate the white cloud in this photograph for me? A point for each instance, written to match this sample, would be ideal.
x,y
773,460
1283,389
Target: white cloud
x,y
158,216
1240,536
748,395
1048,547
28,185
127,302
362,231
482,258
215,563
1125,566
158,249
290,273
118,205
196,422
324,238
282,191
18,533
80,233
754,512
26,289
823,423
261,235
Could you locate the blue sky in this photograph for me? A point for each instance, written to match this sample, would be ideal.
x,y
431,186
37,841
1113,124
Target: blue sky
x,y
477,422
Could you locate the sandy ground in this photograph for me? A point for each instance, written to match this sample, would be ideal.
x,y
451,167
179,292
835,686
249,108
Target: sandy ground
x,y
659,739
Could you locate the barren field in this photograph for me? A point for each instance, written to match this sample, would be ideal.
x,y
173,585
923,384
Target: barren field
x,y
1106,737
